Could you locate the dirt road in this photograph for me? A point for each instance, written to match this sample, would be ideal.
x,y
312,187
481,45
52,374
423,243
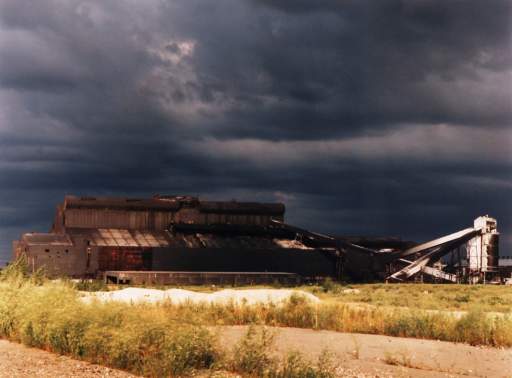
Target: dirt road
x,y
358,356
371,355
19,361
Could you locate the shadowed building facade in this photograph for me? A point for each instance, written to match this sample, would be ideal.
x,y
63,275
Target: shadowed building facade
x,y
92,235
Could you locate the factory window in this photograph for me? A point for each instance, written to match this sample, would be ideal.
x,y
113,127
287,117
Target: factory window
x,y
67,251
47,250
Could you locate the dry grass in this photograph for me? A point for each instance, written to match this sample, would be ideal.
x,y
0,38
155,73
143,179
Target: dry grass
x,y
49,315
253,356
149,340
170,340
450,297
475,328
442,297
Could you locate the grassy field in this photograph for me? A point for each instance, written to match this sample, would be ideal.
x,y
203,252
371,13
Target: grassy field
x,y
169,339
441,297
449,297
150,340
444,297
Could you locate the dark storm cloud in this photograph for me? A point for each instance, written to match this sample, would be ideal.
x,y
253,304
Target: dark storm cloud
x,y
362,66
388,117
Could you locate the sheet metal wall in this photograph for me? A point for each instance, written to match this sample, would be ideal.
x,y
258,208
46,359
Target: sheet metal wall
x,y
94,218
311,263
117,258
151,220
493,254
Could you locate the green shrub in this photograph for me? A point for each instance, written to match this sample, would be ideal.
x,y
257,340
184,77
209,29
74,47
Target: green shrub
x,y
253,357
329,285
295,366
90,285
140,339
252,353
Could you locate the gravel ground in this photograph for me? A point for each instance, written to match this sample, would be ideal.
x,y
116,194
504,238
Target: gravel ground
x,y
20,361
361,355
357,355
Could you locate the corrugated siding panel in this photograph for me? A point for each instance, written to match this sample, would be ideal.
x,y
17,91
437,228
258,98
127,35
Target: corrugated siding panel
x,y
93,218
152,220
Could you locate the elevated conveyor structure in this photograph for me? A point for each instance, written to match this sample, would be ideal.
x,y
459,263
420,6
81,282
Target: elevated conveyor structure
x,y
468,255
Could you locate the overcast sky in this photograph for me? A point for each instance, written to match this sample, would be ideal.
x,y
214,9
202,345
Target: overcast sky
x,y
374,118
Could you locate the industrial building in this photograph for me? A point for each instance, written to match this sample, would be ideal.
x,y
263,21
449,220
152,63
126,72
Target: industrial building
x,y
93,237
182,239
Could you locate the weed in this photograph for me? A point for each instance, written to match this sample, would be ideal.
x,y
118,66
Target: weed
x,y
252,354
357,347
295,366
168,339
399,359
329,285
139,339
90,285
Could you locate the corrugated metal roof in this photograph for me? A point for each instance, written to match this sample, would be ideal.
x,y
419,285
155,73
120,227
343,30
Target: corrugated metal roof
x,y
112,237
47,239
115,237
129,238
121,203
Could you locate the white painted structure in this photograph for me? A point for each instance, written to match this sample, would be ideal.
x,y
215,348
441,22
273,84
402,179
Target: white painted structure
x,y
479,248
473,253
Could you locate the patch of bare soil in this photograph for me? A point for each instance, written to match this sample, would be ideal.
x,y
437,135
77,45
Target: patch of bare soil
x,y
361,355
17,360
358,355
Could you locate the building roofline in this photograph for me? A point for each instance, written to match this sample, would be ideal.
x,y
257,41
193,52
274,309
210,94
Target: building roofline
x,y
173,203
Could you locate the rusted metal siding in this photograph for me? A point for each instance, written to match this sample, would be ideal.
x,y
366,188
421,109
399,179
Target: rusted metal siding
x,y
121,203
97,218
112,258
493,254
255,219
58,220
153,220
158,213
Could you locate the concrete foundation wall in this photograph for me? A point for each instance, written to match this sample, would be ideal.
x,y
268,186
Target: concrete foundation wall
x,y
60,261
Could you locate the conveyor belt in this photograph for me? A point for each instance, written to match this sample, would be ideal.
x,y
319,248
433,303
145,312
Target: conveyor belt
x,y
461,236
431,251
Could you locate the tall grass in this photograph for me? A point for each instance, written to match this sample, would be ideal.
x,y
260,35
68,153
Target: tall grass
x,y
144,339
475,328
452,297
50,316
170,339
